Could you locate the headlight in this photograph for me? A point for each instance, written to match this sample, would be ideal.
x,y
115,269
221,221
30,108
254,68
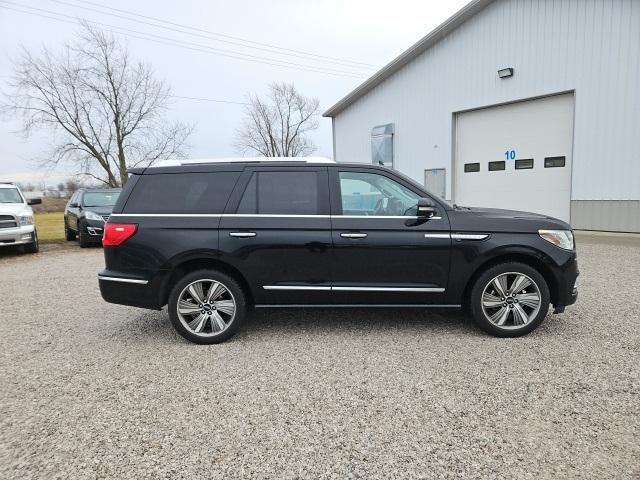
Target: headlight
x,y
93,216
25,220
560,238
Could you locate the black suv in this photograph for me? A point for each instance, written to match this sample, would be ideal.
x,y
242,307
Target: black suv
x,y
86,213
213,239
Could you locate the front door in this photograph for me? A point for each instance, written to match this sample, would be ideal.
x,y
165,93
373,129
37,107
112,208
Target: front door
x,y
383,253
276,231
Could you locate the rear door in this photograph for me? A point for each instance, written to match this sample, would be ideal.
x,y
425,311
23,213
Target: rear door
x,y
382,253
276,231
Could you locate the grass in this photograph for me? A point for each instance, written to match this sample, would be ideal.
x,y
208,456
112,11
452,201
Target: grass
x,y
50,227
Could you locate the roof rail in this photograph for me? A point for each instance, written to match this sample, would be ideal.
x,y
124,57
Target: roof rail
x,y
177,163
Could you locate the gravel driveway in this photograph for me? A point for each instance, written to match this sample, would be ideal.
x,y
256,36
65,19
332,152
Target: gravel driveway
x,y
93,390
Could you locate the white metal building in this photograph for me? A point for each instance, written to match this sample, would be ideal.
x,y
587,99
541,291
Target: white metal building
x,y
522,104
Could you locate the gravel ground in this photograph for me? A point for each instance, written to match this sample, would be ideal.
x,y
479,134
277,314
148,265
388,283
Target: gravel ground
x,y
93,390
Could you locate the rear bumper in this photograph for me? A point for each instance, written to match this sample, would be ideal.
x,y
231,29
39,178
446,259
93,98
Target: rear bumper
x,y
16,235
130,290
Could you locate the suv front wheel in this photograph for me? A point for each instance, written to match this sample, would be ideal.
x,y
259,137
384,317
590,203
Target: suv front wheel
x,y
207,306
509,300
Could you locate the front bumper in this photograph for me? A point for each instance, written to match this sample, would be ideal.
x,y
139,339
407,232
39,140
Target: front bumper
x,y
94,228
16,235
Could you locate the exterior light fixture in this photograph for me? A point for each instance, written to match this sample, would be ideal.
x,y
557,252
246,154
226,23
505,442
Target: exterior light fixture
x,y
505,72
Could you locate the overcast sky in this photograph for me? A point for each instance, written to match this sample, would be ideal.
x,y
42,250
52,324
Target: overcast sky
x,y
365,31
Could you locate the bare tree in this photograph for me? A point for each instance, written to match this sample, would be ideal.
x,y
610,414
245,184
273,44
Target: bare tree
x,y
278,126
107,110
72,186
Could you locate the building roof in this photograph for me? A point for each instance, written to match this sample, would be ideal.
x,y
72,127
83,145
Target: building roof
x,y
408,55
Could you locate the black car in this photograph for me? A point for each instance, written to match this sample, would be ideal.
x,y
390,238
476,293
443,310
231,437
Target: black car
x,y
86,213
213,239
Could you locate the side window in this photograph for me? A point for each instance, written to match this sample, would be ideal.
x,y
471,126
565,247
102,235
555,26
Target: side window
x,y
281,193
205,193
374,194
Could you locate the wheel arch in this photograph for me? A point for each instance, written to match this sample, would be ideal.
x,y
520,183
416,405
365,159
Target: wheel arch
x,y
528,259
187,265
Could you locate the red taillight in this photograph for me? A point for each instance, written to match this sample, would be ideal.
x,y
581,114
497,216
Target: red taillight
x,y
118,233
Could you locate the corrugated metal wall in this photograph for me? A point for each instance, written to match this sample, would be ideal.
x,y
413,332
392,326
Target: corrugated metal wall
x,y
591,47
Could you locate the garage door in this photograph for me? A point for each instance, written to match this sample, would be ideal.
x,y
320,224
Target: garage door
x,y
516,156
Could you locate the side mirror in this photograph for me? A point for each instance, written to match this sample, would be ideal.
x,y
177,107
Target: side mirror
x,y
73,205
426,208
34,201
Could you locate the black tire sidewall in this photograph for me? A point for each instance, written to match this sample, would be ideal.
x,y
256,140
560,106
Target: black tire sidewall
x,y
82,237
34,246
69,235
230,283
475,301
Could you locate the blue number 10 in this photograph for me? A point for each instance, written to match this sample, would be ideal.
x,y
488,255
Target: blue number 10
x,y
510,154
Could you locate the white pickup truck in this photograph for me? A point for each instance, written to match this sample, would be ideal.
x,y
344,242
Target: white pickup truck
x,y
16,219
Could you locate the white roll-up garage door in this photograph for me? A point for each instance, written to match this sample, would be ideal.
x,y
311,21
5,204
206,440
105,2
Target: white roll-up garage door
x,y
516,156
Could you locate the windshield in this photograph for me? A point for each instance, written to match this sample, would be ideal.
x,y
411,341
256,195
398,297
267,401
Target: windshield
x,y
10,195
100,199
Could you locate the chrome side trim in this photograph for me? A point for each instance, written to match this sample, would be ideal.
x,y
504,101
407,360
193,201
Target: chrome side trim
x,y
469,236
437,235
123,280
354,289
295,287
387,289
242,234
355,305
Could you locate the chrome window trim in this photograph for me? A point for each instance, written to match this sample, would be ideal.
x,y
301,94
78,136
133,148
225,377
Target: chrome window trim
x,y
263,215
123,280
355,289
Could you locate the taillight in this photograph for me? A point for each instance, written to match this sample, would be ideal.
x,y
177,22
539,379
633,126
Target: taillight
x,y
117,233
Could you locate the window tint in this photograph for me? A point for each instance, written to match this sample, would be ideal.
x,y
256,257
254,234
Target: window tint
x,y
100,199
281,193
374,194
181,193
494,166
524,163
471,167
554,162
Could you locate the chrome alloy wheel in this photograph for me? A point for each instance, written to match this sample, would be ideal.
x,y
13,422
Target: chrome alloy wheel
x,y
206,307
511,300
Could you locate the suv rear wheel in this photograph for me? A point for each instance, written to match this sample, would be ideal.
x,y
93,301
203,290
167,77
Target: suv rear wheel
x,y
207,306
509,300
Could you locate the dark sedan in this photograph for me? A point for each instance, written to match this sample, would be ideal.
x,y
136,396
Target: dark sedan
x,y
86,213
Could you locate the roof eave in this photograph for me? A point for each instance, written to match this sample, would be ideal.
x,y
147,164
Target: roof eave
x,y
408,55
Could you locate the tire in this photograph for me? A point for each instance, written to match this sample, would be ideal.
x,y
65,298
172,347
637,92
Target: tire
x,y
69,234
83,238
34,246
200,322
505,314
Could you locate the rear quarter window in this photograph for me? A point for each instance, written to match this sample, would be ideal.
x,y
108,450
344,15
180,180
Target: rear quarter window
x,y
181,193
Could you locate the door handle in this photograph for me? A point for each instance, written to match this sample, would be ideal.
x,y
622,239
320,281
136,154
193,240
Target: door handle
x,y
242,234
353,235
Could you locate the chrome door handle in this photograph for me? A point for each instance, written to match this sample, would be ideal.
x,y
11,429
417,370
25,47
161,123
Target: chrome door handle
x,y
353,235
242,234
